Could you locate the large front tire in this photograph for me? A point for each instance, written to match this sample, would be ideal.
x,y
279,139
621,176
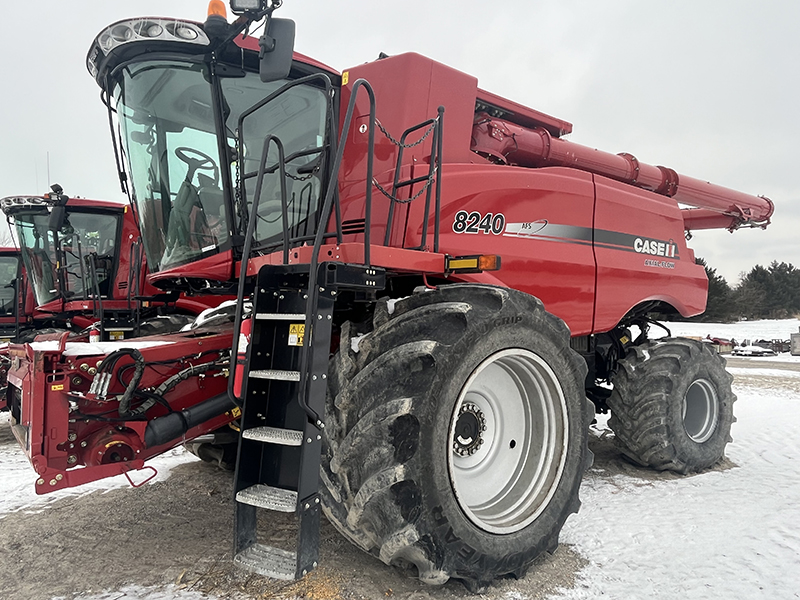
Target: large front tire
x,y
456,434
672,405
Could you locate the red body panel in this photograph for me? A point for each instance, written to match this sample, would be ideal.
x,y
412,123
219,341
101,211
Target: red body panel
x,y
628,273
564,238
217,267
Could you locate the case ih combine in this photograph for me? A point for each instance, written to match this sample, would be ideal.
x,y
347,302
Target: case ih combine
x,y
84,267
10,302
433,285
80,269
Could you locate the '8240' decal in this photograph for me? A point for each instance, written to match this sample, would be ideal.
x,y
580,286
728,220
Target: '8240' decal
x,y
475,222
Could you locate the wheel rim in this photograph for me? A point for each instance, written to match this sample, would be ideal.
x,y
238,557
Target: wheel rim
x,y
508,441
700,411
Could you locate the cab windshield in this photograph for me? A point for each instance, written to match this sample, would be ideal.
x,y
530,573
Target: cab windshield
x,y
85,238
166,112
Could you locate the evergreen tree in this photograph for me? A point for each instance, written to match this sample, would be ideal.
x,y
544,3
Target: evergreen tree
x,y
719,306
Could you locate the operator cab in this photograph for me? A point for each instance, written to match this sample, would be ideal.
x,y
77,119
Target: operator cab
x,y
76,259
192,129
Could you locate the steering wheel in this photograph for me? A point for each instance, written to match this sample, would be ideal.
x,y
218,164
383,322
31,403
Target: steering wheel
x,y
201,161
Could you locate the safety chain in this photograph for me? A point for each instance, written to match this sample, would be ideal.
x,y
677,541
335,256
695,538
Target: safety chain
x,y
237,196
417,143
401,145
298,178
407,200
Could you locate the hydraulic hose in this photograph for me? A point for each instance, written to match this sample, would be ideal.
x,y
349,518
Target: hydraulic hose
x,y
108,364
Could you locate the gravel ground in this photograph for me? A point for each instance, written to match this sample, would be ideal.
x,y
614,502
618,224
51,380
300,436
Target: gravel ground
x,y
174,537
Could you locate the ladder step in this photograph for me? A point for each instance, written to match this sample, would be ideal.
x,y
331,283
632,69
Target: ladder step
x,y
281,317
273,435
265,496
276,374
268,561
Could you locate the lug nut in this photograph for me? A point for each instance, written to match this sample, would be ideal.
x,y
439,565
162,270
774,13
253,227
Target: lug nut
x,y
84,367
72,459
92,371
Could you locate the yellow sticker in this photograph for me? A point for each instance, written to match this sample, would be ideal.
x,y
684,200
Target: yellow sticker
x,y
297,331
57,388
236,412
345,77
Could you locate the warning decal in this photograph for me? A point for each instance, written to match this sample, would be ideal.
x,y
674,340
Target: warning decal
x,y
297,331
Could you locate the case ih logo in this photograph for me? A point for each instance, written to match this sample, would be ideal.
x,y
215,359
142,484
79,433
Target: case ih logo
x,y
655,247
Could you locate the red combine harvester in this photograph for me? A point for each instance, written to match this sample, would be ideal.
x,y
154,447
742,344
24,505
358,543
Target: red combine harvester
x,y
84,267
80,269
9,300
431,282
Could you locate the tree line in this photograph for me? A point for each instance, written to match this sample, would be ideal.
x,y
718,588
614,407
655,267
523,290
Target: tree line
x,y
771,292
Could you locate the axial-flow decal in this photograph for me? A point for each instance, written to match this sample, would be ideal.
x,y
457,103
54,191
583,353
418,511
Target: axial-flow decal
x,y
601,238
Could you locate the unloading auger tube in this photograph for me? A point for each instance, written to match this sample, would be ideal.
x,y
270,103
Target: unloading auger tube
x,y
717,206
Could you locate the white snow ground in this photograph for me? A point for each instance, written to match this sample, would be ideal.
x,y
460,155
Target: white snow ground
x,y
722,535
718,535
778,329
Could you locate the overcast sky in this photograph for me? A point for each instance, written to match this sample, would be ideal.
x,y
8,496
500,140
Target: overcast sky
x,y
709,88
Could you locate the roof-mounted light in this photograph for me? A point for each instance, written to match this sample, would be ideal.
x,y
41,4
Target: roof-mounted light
x,y
12,204
143,29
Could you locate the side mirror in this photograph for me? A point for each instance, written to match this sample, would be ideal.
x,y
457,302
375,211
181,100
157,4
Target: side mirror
x,y
277,47
58,215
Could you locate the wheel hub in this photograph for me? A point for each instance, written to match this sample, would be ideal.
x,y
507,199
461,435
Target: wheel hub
x,y
700,411
469,428
508,440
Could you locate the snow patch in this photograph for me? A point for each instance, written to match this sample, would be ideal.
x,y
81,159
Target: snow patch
x,y
97,348
354,342
48,346
744,371
390,304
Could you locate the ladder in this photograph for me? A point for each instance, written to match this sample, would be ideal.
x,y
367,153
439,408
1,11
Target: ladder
x,y
278,460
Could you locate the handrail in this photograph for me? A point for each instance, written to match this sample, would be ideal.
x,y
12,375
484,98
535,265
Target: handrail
x,y
327,205
248,245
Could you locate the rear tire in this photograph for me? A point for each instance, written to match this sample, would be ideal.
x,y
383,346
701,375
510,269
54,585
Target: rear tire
x,y
456,435
672,405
